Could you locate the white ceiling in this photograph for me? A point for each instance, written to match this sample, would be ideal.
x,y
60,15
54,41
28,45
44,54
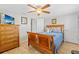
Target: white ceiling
x,y
55,9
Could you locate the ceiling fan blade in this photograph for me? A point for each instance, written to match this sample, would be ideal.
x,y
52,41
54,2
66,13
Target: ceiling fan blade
x,y
46,6
46,12
32,6
31,11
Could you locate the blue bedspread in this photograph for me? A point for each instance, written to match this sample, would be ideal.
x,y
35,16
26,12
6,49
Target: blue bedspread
x,y
58,38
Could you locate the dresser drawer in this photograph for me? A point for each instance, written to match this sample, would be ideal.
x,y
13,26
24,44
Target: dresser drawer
x,y
8,46
4,38
8,42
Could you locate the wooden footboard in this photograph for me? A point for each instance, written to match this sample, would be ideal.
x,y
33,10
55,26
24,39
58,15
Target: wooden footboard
x,y
45,43
41,41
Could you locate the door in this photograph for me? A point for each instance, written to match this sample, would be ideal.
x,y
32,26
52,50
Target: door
x,y
40,25
37,24
33,25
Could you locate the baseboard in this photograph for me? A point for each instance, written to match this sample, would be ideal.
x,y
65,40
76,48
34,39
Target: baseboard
x,y
72,42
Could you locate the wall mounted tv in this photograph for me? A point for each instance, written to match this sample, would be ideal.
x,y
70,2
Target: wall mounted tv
x,y
8,19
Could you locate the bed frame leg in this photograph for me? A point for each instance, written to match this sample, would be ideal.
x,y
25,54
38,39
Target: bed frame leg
x,y
28,43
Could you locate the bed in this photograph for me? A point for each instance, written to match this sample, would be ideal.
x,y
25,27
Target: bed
x,y
48,42
58,39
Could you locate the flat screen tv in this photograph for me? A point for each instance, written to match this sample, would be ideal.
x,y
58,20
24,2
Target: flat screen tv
x,y
8,19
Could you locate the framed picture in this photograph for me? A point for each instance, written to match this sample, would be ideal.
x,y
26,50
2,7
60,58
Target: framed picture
x,y
23,20
54,21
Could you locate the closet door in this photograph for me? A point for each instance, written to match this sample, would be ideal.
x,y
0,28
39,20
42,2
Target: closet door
x,y
37,24
33,25
40,25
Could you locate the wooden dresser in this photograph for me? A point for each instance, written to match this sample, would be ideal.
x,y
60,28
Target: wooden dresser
x,y
9,37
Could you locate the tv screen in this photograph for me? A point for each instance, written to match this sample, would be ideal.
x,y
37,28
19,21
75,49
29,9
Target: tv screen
x,y
8,19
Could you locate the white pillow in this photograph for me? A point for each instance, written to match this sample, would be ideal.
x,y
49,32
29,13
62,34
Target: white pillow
x,y
58,29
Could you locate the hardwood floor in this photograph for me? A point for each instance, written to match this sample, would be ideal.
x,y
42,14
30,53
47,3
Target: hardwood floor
x,y
67,47
24,49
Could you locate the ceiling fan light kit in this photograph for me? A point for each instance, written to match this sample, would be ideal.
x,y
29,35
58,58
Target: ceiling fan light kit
x,y
40,9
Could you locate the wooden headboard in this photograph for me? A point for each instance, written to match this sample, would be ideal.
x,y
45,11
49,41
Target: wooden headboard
x,y
56,25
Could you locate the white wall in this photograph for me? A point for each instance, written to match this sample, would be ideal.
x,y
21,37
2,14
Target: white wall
x,y
71,28
23,28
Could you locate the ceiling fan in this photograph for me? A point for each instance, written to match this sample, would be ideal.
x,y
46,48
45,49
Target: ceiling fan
x,y
39,9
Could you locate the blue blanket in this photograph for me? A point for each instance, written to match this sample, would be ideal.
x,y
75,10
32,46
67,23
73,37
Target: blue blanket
x,y
58,38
